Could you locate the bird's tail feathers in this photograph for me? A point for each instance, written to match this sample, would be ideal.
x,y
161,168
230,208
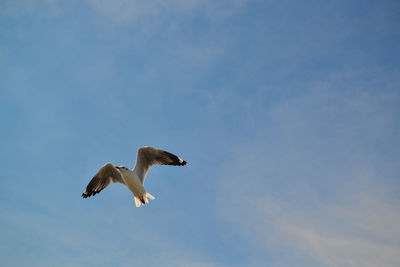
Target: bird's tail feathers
x,y
150,196
143,200
137,202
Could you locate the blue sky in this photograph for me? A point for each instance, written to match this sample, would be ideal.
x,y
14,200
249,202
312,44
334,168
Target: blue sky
x,y
287,113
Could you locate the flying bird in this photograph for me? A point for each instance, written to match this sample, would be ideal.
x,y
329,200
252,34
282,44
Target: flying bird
x,y
133,179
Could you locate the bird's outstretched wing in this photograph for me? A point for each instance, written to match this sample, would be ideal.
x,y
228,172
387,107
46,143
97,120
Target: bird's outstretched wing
x,y
106,175
149,156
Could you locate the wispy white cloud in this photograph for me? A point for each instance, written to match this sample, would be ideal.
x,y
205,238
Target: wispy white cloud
x,y
354,232
321,177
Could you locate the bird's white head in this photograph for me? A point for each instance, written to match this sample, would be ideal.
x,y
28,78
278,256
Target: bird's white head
x,y
122,168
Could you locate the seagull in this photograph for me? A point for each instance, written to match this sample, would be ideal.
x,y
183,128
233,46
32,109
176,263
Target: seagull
x,y
133,179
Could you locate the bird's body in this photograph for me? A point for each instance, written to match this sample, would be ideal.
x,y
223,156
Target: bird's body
x,y
133,179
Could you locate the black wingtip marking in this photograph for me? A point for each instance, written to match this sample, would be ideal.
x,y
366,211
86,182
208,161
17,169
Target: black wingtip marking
x,y
88,193
177,161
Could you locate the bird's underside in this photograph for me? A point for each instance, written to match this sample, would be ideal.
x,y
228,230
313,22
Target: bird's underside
x,y
133,179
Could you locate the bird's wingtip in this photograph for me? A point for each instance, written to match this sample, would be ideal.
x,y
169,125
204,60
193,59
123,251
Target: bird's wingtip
x,y
182,162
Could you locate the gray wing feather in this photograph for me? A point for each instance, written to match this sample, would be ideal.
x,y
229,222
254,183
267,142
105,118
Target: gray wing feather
x,y
149,156
106,175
